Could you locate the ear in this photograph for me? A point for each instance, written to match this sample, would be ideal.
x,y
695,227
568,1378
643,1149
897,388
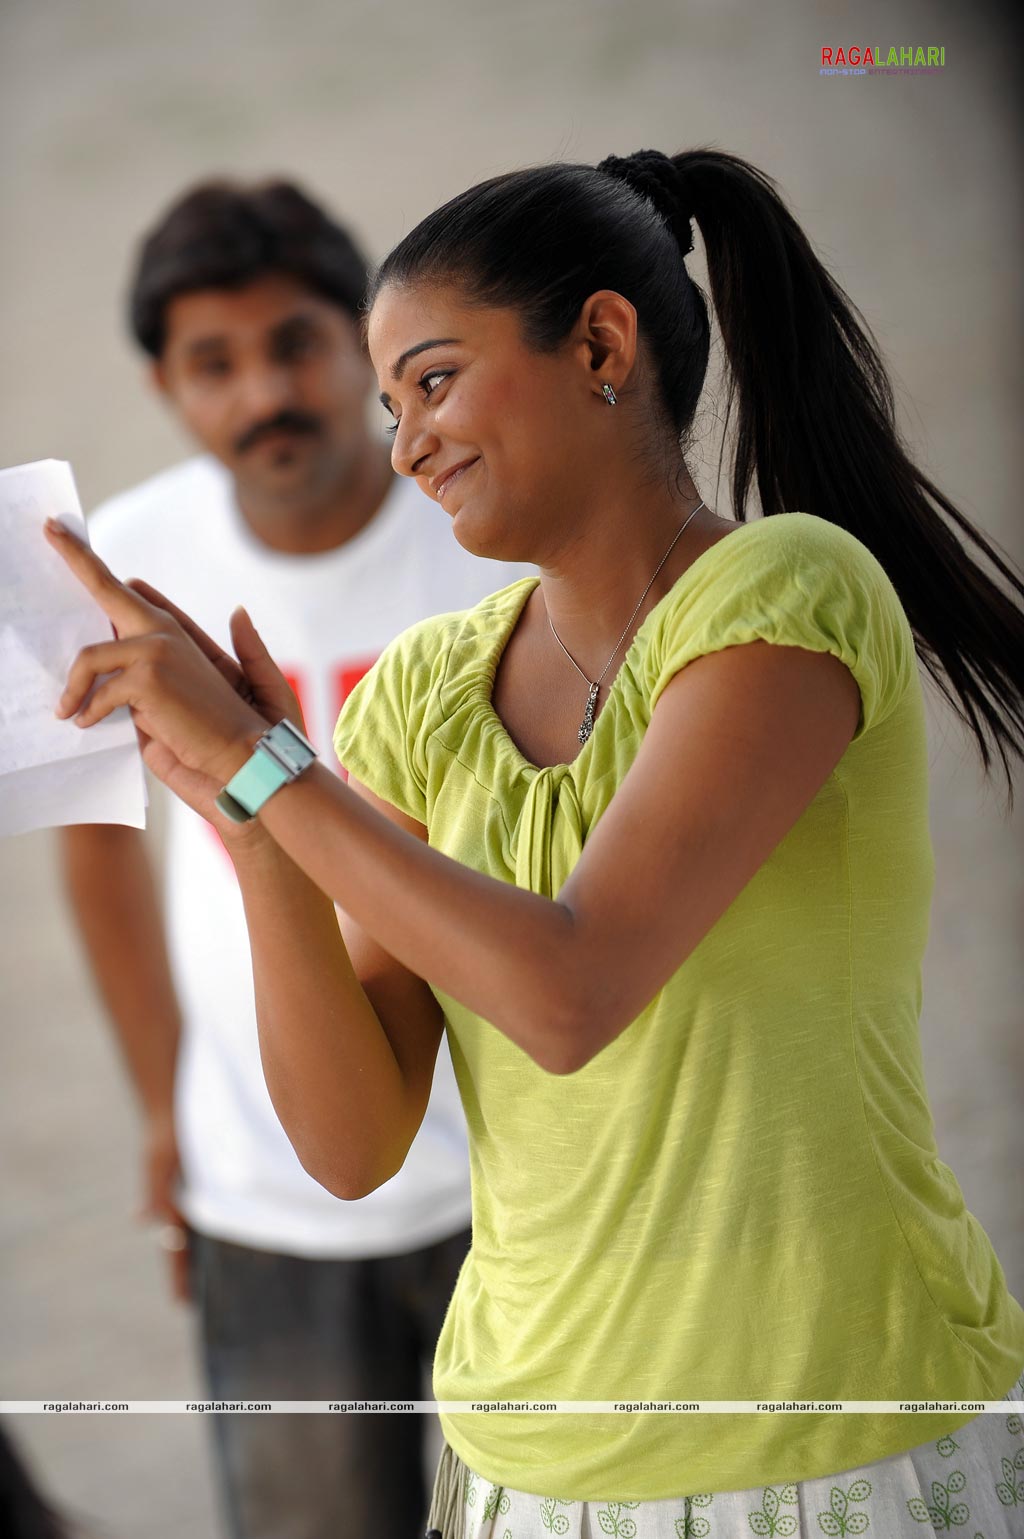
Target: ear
x,y
157,378
605,339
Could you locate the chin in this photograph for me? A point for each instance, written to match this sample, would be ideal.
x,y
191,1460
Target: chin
x,y
483,537
291,485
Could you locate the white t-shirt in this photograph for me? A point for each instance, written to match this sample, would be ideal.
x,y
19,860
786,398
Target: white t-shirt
x,y
325,618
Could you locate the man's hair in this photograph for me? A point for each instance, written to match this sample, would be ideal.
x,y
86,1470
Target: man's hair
x,y
223,234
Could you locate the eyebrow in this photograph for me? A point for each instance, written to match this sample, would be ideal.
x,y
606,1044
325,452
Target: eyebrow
x,y
398,368
213,343
297,318
206,345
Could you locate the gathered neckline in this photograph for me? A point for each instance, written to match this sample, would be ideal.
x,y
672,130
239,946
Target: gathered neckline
x,y
484,691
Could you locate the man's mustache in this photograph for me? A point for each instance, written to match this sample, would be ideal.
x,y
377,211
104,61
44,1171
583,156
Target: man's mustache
x,y
285,421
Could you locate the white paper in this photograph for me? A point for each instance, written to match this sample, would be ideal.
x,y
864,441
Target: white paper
x,y
52,772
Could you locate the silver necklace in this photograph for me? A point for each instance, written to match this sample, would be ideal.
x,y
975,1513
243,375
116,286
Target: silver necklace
x,y
587,724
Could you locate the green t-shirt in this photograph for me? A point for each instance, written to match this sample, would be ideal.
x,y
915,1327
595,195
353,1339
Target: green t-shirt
x,y
740,1198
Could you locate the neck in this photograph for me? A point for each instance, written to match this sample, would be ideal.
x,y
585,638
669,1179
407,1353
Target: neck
x,y
316,524
592,585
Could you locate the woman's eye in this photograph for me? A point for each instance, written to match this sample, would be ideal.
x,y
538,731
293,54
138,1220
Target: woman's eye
x,y
434,374
428,389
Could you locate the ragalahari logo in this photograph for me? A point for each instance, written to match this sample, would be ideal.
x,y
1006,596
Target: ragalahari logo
x,y
869,60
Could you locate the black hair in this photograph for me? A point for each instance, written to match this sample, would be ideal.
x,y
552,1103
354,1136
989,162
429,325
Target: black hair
x,y
809,398
223,234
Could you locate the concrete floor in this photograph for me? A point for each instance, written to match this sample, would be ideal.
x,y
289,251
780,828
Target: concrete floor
x,y
106,111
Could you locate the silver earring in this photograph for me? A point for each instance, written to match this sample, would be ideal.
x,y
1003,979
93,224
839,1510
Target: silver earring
x,y
609,395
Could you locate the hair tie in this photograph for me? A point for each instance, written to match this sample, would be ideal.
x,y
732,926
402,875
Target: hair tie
x,y
652,175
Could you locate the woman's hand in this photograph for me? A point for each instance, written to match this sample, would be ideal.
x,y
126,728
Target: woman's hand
x,y
197,710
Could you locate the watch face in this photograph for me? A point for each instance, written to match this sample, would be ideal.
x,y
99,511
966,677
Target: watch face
x,y
293,746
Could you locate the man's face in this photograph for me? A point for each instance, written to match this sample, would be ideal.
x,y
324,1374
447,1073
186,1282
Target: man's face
x,y
271,379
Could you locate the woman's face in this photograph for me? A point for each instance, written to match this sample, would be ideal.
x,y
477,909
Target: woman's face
x,y
466,391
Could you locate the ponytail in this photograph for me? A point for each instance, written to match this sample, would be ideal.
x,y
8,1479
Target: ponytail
x,y
815,423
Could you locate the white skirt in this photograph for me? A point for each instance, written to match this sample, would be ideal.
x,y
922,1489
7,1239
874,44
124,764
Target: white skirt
x,y
969,1483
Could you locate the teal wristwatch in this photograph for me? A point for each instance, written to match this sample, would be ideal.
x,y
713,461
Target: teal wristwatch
x,y
279,757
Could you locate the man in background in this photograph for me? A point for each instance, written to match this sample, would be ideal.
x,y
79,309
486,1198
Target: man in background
x,y
246,300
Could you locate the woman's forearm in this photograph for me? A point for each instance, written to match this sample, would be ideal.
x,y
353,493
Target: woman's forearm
x,y
332,1075
508,955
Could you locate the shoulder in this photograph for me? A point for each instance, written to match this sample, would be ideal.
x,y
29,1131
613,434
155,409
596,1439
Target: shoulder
x,y
389,719
450,644
792,580
788,559
794,541
420,680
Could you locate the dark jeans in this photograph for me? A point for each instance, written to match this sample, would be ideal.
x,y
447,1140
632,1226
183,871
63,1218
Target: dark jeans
x,y
285,1328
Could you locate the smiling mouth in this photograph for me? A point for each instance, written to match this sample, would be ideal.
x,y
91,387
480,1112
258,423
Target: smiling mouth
x,y
449,481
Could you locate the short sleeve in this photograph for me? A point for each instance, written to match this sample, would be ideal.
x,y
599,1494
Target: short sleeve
x,y
792,580
386,721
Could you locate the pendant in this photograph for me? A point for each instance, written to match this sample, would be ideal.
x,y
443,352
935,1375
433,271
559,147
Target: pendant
x,y
587,724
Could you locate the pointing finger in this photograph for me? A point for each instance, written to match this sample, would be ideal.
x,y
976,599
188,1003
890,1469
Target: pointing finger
x,y
130,613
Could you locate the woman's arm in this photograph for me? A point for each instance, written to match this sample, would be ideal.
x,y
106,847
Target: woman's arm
x,y
739,744
348,1037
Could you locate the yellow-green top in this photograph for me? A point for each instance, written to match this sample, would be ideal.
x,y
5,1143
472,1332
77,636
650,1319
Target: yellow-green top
x,y
740,1198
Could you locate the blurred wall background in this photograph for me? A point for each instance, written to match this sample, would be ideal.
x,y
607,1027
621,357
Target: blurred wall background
x,y
908,186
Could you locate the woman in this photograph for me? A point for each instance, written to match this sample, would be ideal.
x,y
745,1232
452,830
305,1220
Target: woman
x,y
649,835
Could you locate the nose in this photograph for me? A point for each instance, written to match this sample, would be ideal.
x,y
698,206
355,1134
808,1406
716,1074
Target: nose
x,y
265,389
413,444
